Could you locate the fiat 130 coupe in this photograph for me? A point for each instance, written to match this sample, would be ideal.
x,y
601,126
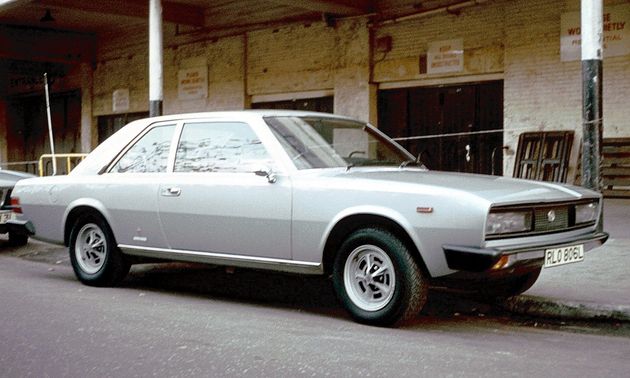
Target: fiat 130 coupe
x,y
307,193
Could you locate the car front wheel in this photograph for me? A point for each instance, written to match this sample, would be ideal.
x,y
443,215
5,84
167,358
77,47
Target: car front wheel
x,y
377,279
94,255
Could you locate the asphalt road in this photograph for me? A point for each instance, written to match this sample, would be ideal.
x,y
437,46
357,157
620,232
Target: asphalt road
x,y
191,320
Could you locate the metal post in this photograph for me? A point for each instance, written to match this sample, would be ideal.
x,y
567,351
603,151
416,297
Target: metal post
x,y
592,83
155,58
50,130
592,47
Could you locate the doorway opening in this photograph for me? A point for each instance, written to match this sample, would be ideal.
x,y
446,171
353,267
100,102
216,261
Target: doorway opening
x,y
451,128
27,136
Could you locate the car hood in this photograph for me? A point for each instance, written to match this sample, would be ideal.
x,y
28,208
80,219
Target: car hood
x,y
494,189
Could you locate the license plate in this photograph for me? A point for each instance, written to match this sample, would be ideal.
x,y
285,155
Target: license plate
x,y
6,216
564,255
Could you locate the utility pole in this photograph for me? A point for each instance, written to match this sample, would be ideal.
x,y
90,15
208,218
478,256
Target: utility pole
x,y
155,58
592,124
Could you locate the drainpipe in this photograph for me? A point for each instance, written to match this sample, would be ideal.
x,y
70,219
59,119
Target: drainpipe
x,y
155,58
592,125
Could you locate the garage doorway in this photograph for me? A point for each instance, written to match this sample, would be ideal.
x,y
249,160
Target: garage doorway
x,y
27,136
449,127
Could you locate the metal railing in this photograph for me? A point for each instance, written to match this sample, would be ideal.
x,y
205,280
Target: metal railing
x,y
71,160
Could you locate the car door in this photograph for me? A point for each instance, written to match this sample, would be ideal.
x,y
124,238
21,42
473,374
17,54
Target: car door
x,y
130,188
214,202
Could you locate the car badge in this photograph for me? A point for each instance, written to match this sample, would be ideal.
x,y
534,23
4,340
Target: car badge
x,y
551,216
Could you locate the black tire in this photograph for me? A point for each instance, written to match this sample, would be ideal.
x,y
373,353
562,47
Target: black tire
x,y
17,240
510,287
94,254
383,299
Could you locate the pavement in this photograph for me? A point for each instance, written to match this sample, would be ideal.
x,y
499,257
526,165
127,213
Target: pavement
x,y
597,289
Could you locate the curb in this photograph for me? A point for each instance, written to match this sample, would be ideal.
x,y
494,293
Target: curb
x,y
559,309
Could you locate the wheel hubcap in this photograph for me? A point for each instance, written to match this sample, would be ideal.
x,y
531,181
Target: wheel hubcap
x,y
90,248
369,277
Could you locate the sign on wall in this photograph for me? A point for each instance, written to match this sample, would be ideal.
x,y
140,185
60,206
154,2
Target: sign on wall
x,y
616,35
192,83
120,100
445,56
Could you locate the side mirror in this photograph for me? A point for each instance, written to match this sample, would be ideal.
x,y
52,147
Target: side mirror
x,y
266,172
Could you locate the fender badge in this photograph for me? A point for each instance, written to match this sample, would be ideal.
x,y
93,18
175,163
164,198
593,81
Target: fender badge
x,y
424,210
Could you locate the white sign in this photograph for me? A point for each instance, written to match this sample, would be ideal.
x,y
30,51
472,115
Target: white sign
x,y
192,83
616,34
120,100
445,56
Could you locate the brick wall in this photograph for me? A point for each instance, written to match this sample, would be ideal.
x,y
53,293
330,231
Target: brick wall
x,y
517,41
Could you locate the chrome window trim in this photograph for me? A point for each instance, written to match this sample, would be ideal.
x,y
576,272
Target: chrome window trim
x,y
112,164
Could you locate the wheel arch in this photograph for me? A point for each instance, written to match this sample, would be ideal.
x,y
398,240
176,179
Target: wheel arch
x,y
351,223
78,209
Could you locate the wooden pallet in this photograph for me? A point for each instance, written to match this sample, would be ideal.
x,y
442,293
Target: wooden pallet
x,y
615,168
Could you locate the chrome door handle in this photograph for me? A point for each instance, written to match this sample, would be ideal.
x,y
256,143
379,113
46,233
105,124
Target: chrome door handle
x,y
171,192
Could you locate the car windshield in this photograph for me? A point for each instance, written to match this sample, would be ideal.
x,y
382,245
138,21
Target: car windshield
x,y
319,142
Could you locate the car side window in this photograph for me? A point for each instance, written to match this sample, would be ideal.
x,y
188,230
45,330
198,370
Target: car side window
x,y
220,147
149,154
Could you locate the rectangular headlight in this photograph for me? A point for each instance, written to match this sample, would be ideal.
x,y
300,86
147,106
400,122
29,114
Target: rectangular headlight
x,y
508,222
587,212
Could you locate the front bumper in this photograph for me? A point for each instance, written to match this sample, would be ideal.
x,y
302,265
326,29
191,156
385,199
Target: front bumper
x,y
472,259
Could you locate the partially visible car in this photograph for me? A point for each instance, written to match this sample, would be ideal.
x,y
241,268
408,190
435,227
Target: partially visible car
x,y
308,193
18,235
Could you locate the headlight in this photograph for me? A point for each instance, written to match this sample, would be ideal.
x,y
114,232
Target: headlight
x,y
587,212
508,222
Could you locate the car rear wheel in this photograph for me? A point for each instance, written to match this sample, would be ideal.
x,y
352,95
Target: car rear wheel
x,y
17,240
377,279
94,254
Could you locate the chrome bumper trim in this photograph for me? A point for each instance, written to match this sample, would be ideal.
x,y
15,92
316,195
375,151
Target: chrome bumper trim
x,y
252,262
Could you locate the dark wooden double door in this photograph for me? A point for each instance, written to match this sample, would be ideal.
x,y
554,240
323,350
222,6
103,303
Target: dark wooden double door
x,y
452,128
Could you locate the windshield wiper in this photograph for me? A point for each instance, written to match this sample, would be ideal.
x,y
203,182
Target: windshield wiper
x,y
413,163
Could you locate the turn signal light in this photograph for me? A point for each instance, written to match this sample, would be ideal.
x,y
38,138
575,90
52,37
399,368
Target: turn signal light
x,y
503,261
15,205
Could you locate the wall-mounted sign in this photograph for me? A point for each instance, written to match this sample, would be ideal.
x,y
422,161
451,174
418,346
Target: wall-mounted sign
x,y
192,83
445,56
120,100
616,34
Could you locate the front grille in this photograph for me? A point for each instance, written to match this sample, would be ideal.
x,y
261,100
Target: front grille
x,y
545,218
551,218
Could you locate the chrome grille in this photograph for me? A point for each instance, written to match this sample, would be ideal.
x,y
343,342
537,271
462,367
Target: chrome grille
x,y
551,218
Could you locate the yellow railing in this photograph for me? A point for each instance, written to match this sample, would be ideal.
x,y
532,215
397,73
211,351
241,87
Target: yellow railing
x,y
70,159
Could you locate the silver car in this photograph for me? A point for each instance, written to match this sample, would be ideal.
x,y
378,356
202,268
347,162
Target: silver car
x,y
306,193
18,235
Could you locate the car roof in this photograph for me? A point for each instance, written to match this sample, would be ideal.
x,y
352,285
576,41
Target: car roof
x,y
258,113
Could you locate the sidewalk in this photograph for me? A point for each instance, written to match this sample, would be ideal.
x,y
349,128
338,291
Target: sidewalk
x,y
598,288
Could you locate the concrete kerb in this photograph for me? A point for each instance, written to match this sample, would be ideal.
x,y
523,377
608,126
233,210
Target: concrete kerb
x,y
567,310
